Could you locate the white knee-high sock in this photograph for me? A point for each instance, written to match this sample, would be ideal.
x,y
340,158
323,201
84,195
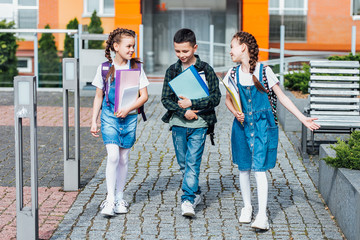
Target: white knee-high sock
x,y
244,178
262,191
121,171
111,166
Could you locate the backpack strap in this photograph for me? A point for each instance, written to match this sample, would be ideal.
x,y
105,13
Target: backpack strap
x,y
270,93
141,109
105,67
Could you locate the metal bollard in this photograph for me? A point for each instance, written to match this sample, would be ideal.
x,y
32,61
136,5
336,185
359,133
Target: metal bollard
x,y
71,165
27,219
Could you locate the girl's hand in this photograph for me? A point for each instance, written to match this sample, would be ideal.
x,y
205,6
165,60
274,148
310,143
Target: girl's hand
x,y
184,102
191,114
123,112
239,116
310,124
94,130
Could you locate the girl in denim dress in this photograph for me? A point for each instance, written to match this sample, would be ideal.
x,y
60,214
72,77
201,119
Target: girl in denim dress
x,y
118,129
254,136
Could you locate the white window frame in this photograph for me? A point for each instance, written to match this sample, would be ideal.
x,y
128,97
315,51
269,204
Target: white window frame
x,y
17,7
29,68
282,9
354,17
101,10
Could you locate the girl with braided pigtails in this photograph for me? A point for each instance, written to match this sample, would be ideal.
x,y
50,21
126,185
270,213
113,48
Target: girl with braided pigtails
x,y
254,136
118,130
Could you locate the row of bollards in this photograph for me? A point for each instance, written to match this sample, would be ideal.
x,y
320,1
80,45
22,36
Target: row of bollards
x,y
25,92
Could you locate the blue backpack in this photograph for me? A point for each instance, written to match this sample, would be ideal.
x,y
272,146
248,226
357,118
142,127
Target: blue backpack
x,y
105,67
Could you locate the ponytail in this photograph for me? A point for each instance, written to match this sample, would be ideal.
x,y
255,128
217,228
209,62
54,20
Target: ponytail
x,y
253,48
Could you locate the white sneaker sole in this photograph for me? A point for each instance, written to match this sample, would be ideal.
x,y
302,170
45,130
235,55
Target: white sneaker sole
x,y
267,227
121,212
107,214
188,214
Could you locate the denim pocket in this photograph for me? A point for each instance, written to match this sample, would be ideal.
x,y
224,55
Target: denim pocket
x,y
273,135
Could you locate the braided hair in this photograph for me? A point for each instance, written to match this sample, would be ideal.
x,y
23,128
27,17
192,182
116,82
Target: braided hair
x,y
253,48
115,37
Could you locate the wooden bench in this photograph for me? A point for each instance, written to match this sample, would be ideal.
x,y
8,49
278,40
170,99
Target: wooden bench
x,y
334,99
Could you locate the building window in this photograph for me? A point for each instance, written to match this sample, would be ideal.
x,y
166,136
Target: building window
x,y
6,1
27,16
103,8
294,14
24,65
355,9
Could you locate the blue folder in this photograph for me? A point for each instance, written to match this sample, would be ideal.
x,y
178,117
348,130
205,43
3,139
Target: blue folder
x,y
189,84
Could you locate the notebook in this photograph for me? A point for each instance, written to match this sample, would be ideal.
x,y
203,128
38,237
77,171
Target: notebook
x,y
189,84
126,79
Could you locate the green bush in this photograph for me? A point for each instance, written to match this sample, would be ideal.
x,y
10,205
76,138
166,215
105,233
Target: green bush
x,y
298,81
69,41
95,27
347,154
349,57
49,61
8,60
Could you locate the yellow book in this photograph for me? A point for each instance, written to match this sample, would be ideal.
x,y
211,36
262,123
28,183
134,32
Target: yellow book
x,y
235,99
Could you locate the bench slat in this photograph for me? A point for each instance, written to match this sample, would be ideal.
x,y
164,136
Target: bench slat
x,y
338,124
333,64
314,113
334,71
335,78
328,92
334,100
333,107
334,85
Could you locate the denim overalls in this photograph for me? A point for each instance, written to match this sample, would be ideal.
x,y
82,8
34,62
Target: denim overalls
x,y
119,131
254,144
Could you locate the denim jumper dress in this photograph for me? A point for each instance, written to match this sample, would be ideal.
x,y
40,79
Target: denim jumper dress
x,y
254,144
119,131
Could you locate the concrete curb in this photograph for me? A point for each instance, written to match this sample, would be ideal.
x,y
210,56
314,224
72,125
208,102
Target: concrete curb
x,y
340,188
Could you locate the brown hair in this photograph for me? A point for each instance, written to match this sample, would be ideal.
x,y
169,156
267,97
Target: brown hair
x,y
253,48
115,37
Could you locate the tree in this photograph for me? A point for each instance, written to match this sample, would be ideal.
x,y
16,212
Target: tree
x,y
95,27
49,61
69,41
8,60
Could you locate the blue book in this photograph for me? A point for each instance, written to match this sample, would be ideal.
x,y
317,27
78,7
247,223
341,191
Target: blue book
x,y
189,84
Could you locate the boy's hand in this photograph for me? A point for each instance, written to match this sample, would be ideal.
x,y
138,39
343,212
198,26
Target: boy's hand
x,y
122,113
184,102
94,130
239,116
191,114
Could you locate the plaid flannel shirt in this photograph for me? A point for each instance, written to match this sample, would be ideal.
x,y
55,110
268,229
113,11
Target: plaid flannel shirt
x,y
205,105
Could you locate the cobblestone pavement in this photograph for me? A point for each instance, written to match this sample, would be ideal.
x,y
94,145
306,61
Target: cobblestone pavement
x,y
295,209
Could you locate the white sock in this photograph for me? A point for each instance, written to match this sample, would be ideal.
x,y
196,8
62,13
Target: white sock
x,y
121,172
262,191
244,178
111,166
119,196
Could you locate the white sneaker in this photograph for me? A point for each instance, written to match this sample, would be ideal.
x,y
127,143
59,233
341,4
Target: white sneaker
x,y
197,200
121,207
107,208
261,222
187,209
246,215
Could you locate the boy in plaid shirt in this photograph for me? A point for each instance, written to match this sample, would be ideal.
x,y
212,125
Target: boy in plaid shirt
x,y
190,119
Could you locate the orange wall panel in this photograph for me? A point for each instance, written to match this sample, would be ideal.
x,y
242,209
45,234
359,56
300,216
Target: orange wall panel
x,y
69,9
128,14
256,21
329,26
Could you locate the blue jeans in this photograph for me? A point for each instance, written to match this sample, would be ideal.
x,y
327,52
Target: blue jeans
x,y
189,146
